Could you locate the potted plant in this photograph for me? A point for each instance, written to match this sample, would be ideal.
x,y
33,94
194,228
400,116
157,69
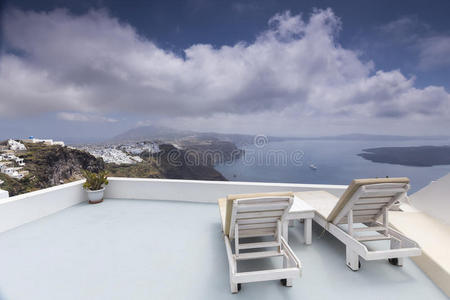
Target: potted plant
x,y
95,185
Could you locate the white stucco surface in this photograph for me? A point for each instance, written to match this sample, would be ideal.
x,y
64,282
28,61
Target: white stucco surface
x,y
434,199
142,249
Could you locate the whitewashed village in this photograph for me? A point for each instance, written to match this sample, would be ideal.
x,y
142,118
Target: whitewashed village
x,y
13,166
10,164
121,154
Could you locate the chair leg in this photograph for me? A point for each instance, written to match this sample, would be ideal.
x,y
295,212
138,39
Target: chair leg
x,y
234,286
286,265
307,231
285,230
397,244
352,259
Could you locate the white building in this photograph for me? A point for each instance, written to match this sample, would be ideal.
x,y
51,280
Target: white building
x,y
12,172
20,161
3,166
112,155
9,157
16,146
48,142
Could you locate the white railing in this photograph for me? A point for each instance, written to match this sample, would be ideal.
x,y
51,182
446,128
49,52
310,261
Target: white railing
x,y
21,209
18,210
3,194
199,190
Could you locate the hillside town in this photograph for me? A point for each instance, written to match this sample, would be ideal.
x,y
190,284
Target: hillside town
x,y
13,166
121,154
10,164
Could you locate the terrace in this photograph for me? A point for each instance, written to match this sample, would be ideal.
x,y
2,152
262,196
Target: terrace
x,y
161,239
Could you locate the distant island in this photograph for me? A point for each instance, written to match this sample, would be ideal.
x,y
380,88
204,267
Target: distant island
x,y
420,156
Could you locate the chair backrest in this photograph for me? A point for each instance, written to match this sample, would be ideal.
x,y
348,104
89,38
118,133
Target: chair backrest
x,y
259,216
231,198
368,199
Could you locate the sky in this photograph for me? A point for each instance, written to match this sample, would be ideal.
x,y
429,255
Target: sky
x,y
93,69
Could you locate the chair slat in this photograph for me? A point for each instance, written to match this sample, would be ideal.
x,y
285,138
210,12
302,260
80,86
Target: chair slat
x,y
373,238
374,228
383,192
257,226
262,200
365,212
372,200
258,220
385,185
259,245
257,232
368,206
261,207
262,254
259,214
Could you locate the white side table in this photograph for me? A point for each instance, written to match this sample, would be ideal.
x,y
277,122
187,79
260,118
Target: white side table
x,y
300,210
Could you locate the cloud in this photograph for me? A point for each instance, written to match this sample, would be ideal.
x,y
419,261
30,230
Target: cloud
x,y
79,117
243,7
94,64
434,52
406,29
432,48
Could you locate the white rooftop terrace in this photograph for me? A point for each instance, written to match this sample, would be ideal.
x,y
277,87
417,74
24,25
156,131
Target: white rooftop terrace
x,y
161,239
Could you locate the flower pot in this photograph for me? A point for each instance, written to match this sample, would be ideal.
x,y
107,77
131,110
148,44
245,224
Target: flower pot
x,y
95,196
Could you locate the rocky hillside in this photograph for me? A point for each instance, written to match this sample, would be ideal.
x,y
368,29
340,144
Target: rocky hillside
x,y
52,165
49,166
170,162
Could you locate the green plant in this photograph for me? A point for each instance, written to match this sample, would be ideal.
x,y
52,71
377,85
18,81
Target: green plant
x,y
95,181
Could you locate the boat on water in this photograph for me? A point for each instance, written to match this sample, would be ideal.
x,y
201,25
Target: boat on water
x,y
312,167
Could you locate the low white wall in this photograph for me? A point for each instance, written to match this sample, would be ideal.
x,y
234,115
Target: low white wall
x,y
21,209
434,199
18,210
198,190
4,194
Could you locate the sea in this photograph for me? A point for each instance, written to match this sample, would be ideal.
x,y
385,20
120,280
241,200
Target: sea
x,y
325,162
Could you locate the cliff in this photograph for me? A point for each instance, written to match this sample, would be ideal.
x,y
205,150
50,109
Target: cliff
x,y
52,165
170,162
49,166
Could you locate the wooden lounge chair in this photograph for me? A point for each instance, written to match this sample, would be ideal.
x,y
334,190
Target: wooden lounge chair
x,y
366,201
252,216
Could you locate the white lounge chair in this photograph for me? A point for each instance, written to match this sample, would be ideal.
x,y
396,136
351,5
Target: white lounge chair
x,y
251,216
365,201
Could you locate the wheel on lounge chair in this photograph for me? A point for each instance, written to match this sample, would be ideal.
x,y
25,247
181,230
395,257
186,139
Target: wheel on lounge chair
x,y
283,282
239,287
393,261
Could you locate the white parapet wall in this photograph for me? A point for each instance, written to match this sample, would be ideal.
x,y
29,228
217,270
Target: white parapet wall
x,y
21,209
199,190
4,194
434,199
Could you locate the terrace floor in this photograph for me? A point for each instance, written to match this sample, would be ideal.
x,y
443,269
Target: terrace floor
x,y
141,249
